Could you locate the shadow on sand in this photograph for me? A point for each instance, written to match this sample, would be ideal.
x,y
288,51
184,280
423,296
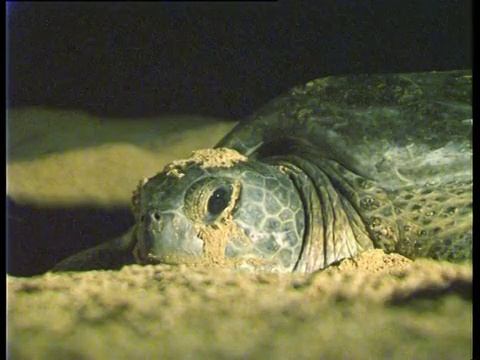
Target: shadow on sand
x,y
40,237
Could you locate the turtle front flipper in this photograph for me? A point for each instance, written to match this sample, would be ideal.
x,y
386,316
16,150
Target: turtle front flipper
x,y
111,255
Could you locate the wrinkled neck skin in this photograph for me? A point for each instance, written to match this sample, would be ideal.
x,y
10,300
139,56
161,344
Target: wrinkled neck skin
x,y
340,208
330,234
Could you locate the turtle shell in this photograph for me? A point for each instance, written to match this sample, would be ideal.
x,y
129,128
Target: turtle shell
x,y
394,128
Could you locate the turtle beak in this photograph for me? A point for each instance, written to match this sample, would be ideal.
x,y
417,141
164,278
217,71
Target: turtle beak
x,y
141,251
165,238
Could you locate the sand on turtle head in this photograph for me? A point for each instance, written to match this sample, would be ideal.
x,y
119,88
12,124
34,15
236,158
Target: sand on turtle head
x,y
216,235
206,158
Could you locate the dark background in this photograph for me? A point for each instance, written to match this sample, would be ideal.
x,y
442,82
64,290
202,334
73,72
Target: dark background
x,y
214,59
220,59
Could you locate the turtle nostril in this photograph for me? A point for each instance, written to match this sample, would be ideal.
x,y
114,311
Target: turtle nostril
x,y
149,218
155,222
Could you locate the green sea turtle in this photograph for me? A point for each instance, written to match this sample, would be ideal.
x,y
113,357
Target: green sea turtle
x,y
333,168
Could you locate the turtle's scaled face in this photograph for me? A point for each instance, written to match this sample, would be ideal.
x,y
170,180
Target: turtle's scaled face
x,y
247,215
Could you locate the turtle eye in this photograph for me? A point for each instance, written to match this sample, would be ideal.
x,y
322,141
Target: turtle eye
x,y
219,200
210,199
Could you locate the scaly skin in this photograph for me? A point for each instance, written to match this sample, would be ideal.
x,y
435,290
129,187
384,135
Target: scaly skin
x,y
334,167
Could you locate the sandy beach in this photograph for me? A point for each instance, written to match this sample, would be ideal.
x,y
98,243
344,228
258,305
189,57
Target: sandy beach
x,y
70,178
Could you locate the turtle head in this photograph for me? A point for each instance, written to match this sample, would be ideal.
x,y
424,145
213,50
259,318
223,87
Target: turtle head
x,y
218,207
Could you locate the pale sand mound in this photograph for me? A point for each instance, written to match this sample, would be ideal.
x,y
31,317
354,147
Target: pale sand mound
x,y
382,307
376,306
61,157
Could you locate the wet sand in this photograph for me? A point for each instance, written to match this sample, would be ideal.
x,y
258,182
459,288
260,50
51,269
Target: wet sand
x,y
376,306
